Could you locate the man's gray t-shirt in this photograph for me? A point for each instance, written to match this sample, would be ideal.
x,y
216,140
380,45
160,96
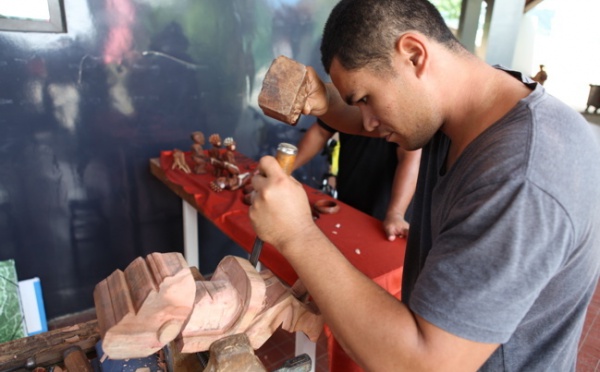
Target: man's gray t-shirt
x,y
504,247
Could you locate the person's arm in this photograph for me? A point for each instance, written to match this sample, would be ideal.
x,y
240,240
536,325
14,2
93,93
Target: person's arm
x,y
312,143
379,332
324,101
403,189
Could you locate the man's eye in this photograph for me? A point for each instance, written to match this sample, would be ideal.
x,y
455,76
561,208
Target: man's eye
x,y
362,100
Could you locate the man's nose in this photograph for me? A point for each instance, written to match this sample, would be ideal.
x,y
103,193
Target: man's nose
x,y
370,122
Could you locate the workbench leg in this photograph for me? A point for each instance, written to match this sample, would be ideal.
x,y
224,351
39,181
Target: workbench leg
x,y
305,346
190,235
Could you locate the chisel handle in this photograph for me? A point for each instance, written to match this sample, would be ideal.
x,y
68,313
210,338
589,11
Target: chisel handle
x,y
286,155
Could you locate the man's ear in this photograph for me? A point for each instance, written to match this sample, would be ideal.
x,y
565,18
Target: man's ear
x,y
412,50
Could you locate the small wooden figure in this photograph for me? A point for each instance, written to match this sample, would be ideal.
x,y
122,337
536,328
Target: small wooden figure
x,y
179,161
230,177
214,152
229,155
198,155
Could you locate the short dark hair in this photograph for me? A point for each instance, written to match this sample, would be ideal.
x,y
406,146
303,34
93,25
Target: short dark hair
x,y
359,32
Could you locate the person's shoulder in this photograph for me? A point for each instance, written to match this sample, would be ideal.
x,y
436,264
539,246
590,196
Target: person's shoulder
x,y
530,82
324,125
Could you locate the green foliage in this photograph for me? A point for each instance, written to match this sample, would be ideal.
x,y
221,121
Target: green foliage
x,y
11,318
450,9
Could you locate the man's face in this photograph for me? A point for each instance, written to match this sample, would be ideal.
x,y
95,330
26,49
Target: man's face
x,y
393,103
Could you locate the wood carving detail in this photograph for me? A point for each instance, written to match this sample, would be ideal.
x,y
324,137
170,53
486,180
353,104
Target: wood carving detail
x,y
160,299
141,309
264,304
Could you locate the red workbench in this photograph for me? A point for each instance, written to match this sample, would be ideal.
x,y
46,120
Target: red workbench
x,y
357,235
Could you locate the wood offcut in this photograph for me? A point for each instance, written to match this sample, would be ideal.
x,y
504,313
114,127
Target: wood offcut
x,y
46,349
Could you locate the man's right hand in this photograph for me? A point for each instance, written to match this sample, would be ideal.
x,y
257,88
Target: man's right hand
x,y
280,212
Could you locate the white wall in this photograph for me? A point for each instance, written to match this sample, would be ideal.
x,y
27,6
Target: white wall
x,y
570,50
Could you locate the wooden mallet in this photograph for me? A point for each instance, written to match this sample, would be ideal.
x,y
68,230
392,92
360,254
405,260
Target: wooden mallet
x,y
284,90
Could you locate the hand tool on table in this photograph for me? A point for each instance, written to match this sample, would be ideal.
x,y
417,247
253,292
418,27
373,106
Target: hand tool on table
x,y
286,155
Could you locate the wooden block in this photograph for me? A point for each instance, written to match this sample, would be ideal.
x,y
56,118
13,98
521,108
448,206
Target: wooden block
x,y
46,349
284,90
143,308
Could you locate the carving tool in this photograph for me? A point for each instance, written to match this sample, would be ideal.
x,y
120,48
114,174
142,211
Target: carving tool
x,y
282,97
286,155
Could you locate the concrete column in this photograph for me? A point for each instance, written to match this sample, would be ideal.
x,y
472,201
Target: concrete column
x,y
469,22
504,25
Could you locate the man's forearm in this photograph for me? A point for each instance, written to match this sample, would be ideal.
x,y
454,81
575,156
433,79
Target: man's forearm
x,y
374,328
311,144
377,330
405,180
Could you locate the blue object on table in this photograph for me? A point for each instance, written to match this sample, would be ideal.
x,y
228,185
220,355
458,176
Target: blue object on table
x,y
127,365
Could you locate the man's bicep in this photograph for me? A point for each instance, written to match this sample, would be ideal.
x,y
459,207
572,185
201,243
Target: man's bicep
x,y
448,352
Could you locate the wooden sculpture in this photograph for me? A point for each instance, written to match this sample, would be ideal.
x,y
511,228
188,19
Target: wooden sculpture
x,y
179,161
160,299
222,161
141,309
198,155
214,153
229,155
231,178
239,299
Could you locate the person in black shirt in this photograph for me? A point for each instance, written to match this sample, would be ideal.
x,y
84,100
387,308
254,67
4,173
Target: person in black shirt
x,y
381,185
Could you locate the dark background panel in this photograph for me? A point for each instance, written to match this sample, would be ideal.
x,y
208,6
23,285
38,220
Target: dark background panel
x,y
82,112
